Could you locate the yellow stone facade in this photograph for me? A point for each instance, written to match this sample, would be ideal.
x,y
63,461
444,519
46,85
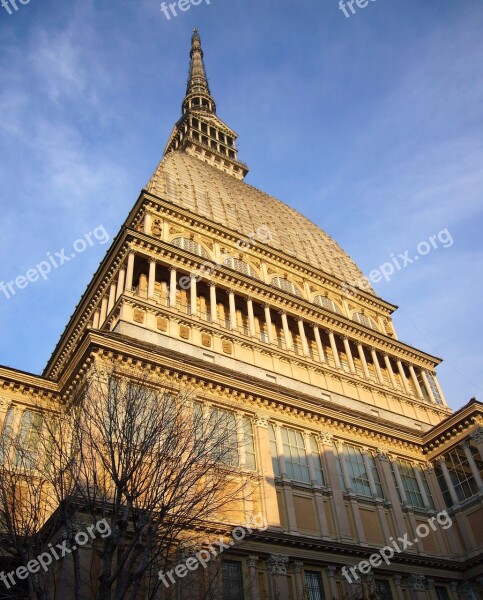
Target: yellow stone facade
x,y
213,282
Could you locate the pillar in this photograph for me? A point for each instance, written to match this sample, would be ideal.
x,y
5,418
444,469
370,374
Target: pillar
x,y
130,271
402,374
147,223
297,567
277,569
375,360
286,331
385,469
449,483
151,278
370,476
268,321
422,489
343,466
252,576
318,341
477,439
397,475
103,311
112,297
172,287
193,296
348,352
416,382
362,356
213,304
121,282
331,569
473,467
335,352
269,492
303,337
441,395
95,322
231,302
390,371
251,317
396,579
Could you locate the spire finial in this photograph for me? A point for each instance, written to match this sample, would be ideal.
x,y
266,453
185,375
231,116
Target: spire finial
x,y
197,81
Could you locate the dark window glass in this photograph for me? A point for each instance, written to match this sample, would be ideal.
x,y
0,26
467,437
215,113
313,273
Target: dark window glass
x,y
232,580
313,584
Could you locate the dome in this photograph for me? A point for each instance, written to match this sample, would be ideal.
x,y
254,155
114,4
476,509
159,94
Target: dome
x,y
205,190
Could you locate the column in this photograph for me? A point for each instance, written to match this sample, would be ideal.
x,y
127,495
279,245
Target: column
x,y
390,371
331,569
213,304
287,490
286,331
335,352
318,341
319,500
428,387
112,297
370,476
151,278
121,282
251,317
172,287
281,456
303,337
269,492
416,382
297,567
103,311
252,577
473,467
268,321
396,579
453,586
362,356
385,470
402,374
310,460
95,322
343,466
130,271
375,360
422,489
147,223
397,475
240,440
231,302
449,483
277,569
193,296
348,352
436,383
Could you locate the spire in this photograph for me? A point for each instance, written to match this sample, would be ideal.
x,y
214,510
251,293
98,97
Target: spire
x,y
200,132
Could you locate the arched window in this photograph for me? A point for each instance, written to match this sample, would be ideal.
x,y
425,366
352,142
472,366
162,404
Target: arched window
x,y
364,320
286,286
327,303
241,266
190,246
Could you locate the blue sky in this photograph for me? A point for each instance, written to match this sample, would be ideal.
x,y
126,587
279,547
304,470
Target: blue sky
x,y
370,125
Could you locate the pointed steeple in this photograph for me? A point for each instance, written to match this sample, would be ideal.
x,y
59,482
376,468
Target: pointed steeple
x,y
200,132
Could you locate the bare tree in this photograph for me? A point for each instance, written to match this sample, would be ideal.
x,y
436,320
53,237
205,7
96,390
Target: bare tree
x,y
159,469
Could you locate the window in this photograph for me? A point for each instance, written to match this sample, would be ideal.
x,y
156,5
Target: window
x,y
286,286
434,389
441,592
6,433
364,320
28,440
461,476
356,470
190,246
231,575
229,444
240,266
383,589
411,486
327,303
295,456
313,585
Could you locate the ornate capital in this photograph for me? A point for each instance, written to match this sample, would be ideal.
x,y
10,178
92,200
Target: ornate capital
x,y
261,421
416,582
429,583
331,569
277,564
297,566
4,404
252,561
397,580
382,455
454,586
326,438
477,435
